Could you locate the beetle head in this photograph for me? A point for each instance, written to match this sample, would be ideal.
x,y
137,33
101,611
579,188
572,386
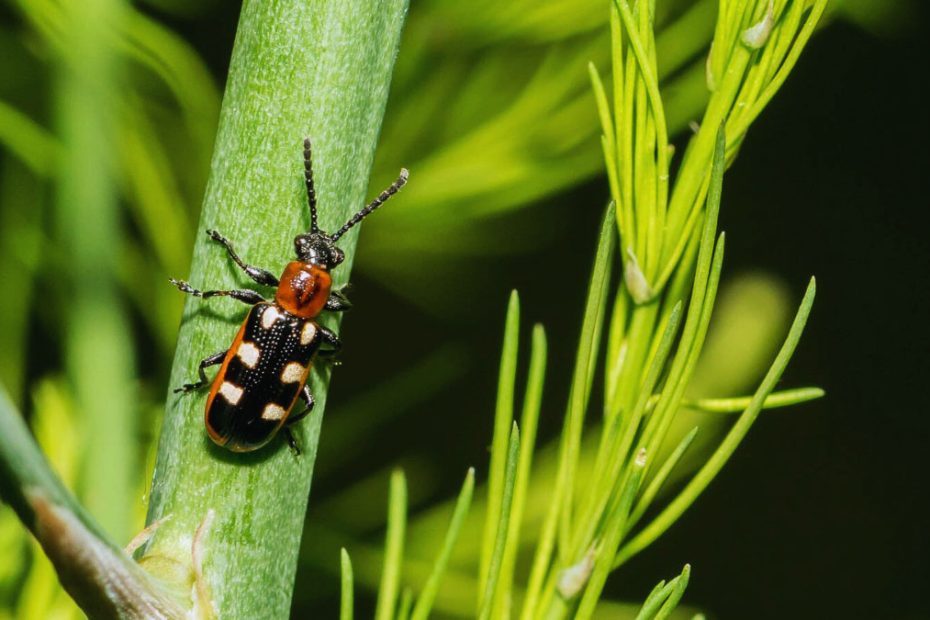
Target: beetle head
x,y
318,248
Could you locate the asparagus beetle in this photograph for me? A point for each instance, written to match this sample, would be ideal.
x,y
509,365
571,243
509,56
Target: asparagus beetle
x,y
265,370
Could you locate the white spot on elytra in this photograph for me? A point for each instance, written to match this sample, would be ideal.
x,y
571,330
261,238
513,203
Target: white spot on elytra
x,y
292,373
231,392
273,412
269,316
307,333
248,353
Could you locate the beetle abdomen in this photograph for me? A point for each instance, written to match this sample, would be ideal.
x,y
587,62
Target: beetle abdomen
x,y
261,377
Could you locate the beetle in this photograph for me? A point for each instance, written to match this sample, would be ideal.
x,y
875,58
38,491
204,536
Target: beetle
x,y
264,372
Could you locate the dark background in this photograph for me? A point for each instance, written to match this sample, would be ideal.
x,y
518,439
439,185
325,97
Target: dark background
x,y
822,511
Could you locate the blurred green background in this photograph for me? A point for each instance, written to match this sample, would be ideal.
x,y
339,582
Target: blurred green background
x,y
491,111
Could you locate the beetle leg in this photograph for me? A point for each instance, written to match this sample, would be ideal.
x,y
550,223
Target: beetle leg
x,y
244,295
335,346
258,274
329,356
291,441
338,302
329,338
213,360
288,435
308,398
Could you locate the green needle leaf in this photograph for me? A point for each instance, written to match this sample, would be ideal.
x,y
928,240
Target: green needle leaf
x,y
655,485
348,591
716,462
585,362
503,418
428,595
393,547
665,597
652,602
681,584
31,143
529,421
406,602
783,398
614,531
490,590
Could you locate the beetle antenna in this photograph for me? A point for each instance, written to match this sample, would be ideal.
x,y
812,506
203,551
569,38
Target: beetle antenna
x,y
311,191
377,202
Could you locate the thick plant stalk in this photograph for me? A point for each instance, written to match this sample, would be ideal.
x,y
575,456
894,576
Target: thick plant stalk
x,y
102,579
318,68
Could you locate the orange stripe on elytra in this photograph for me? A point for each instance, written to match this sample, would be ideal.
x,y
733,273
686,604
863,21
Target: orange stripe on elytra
x,y
218,381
